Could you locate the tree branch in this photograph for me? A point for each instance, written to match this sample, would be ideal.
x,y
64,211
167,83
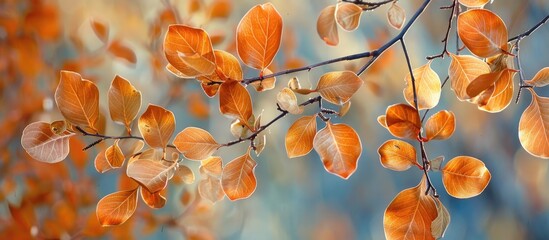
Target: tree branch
x,y
530,31
367,6
105,137
454,7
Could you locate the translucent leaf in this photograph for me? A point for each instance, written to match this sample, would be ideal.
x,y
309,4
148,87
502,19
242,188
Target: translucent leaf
x,y
382,120
396,16
339,148
534,127
101,30
258,36
541,79
124,101
440,126
465,177
326,26
397,155
499,96
403,121
338,87
238,178
115,208
264,84
227,68
299,138
189,51
260,144
288,101
474,3
428,87
120,50
156,126
235,101
212,166
195,143
183,174
153,200
101,164
482,32
344,109
151,171
482,82
410,214
78,100
210,189
114,155
440,224
347,15
42,144
464,69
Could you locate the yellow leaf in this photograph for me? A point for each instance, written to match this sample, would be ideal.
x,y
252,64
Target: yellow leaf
x,y
156,126
326,26
428,87
465,177
440,126
115,208
534,127
195,143
42,144
483,32
397,155
338,87
299,138
347,15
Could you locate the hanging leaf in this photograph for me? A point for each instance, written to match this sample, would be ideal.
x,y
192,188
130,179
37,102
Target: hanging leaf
x,y
211,166
227,68
101,164
299,138
260,144
130,146
338,87
235,101
465,177
195,143
42,144
483,32
403,121
339,148
397,155
156,126
266,83
410,214
440,126
238,178
114,155
151,171
396,16
440,224
189,51
120,50
115,208
463,70
482,82
347,15
428,87
258,36
541,79
474,3
78,100
288,101
153,200
183,174
534,127
210,189
101,30
326,26
124,101
499,96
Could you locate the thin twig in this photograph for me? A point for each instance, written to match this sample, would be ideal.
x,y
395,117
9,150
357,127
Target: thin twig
x,y
454,8
531,30
105,137
367,6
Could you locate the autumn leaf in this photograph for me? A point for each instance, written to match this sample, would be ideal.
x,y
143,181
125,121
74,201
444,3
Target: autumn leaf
x,y
153,200
238,178
258,36
396,16
347,15
483,32
151,171
541,79
463,70
299,138
326,26
266,83
500,95
195,143
101,164
235,101
210,189
474,3
339,148
189,51
428,87
382,120
42,144
465,177
115,208
120,50
288,101
534,127
403,121
100,29
440,224
410,214
397,155
227,68
440,126
124,101
183,174
114,155
156,126
338,87
211,166
78,100
482,82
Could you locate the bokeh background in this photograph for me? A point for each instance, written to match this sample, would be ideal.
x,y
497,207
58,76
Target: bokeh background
x,y
295,198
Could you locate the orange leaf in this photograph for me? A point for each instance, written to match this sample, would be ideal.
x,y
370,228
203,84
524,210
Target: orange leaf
x,y
197,106
220,9
500,95
151,171
441,125
338,87
347,15
382,120
428,87
101,30
42,144
299,139
195,143
397,155
474,3
465,177
114,155
235,101
101,164
153,200
156,126
403,121
118,49
78,100
463,70
210,189
130,146
116,208
189,51
410,214
326,26
483,32
534,127
124,101
396,16
227,68
541,79
238,178
288,101
258,36
264,84
339,148
211,166
183,174
482,83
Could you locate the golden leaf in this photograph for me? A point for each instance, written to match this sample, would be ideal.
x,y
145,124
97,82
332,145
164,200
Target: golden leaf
x,y
428,87
396,16
347,15
338,87
115,208
534,127
150,170
397,155
195,143
541,79
326,26
156,126
440,126
238,178
299,138
483,32
124,101
189,51
465,177
235,101
463,70
402,121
